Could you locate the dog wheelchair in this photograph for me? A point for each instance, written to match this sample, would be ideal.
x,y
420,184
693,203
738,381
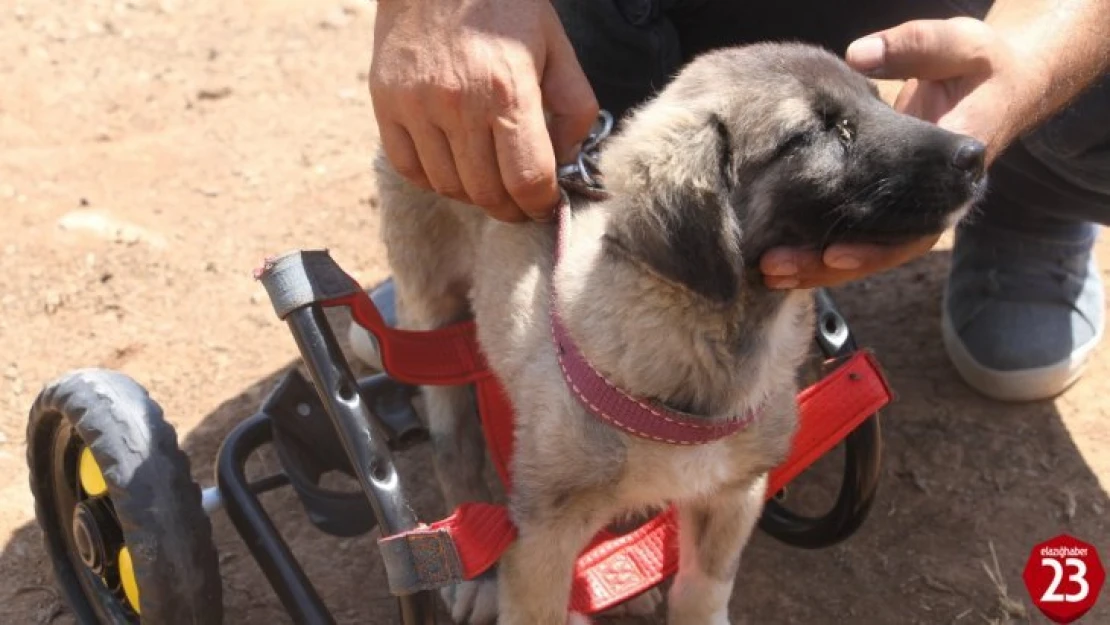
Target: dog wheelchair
x,y
127,528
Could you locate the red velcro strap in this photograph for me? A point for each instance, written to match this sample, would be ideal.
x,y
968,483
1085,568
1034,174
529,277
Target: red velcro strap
x,y
446,356
482,532
496,413
829,410
616,568
460,547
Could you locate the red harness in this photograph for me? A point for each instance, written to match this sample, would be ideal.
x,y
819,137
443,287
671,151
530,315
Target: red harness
x,y
612,568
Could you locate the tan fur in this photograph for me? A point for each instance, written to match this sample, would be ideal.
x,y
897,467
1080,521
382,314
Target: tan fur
x,y
650,334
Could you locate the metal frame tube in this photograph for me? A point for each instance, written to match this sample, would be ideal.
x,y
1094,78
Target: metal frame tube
x,y
254,526
363,440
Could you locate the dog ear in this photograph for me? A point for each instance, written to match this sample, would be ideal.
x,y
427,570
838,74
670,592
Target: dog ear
x,y
681,223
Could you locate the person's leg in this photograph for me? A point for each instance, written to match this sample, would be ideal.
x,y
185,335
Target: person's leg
x,y
1023,307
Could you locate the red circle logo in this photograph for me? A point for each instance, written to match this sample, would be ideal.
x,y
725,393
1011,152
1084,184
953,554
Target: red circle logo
x,y
1064,577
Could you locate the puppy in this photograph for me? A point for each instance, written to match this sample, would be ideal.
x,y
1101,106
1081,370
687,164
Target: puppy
x,y
657,283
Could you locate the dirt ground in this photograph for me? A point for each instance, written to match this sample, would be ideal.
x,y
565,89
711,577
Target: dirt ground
x,y
152,152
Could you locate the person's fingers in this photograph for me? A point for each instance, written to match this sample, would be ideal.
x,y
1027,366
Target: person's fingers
x,y
476,161
524,154
568,97
437,160
789,268
924,49
401,152
785,268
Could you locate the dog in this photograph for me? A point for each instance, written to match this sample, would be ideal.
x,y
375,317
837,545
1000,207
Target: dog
x,y
745,148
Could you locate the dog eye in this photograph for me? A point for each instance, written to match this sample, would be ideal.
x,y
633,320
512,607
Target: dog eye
x,y
846,130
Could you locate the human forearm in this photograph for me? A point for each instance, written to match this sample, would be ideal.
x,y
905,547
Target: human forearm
x,y
1065,42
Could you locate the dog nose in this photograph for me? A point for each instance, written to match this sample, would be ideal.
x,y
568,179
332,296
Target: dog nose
x,y
970,157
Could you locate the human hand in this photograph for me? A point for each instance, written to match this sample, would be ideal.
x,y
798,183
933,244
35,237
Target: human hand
x,y
459,90
960,74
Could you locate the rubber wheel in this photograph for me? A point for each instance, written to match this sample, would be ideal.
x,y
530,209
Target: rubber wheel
x,y
150,504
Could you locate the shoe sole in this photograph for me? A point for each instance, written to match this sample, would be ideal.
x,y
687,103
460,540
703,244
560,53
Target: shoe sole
x,y
1026,385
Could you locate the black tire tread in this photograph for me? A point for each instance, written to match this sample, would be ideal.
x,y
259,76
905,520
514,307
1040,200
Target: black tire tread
x,y
151,486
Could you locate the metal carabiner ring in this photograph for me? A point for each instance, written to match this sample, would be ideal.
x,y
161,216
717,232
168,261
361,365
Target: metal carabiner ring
x,y
587,157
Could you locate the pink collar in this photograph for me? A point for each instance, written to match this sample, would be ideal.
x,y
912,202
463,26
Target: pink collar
x,y
639,417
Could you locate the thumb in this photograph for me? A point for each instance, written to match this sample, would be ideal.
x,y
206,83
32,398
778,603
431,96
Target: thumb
x,y
924,49
570,101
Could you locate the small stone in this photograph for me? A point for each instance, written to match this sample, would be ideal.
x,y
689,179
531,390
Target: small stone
x,y
349,94
11,372
106,226
213,93
52,303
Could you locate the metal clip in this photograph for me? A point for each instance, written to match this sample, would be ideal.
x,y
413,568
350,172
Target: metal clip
x,y
586,163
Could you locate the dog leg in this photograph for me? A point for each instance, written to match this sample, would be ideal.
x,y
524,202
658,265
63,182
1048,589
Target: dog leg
x,y
458,458
537,569
458,449
712,535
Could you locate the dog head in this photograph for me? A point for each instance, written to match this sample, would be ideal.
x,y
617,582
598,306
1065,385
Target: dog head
x,y
776,144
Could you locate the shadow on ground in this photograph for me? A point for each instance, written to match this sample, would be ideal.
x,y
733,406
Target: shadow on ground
x,y
968,487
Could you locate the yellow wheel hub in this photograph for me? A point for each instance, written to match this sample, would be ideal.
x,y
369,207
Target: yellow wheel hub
x,y
88,471
93,483
127,578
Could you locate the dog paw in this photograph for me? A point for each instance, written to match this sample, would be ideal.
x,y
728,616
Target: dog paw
x,y
643,604
472,602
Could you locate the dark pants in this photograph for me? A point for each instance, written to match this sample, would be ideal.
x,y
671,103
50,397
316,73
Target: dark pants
x,y
1056,175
